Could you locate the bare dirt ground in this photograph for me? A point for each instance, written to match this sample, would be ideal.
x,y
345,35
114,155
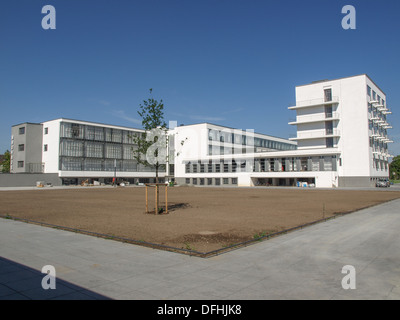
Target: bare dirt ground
x,y
201,219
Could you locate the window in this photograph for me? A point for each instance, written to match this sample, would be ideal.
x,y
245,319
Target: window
x,y
217,181
328,95
369,91
329,127
187,180
76,131
46,130
113,151
217,167
329,142
328,111
21,147
234,180
71,148
202,181
21,130
209,181
226,167
20,164
226,180
234,166
71,164
373,95
45,148
92,165
194,180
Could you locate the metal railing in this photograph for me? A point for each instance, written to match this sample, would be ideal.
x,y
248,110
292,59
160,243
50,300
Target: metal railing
x,y
316,102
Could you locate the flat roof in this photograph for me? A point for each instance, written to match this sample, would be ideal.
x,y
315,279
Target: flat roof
x,y
327,80
231,128
31,123
93,123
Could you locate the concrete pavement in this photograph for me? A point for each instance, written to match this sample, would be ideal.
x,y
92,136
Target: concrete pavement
x,y
304,264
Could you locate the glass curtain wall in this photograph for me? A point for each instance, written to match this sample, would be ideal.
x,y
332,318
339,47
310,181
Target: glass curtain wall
x,y
94,148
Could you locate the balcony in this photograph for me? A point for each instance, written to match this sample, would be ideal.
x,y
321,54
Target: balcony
x,y
321,117
317,134
314,103
381,107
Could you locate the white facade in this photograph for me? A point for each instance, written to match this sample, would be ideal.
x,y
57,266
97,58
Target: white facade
x,y
342,140
353,121
81,150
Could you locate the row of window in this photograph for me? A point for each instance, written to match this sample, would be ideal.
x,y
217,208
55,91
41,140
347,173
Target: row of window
x,y
380,164
77,148
211,181
321,163
374,96
228,136
86,164
21,147
94,133
378,145
21,130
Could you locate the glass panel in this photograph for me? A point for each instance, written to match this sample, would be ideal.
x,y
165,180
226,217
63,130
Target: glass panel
x,y
71,148
94,150
113,151
328,95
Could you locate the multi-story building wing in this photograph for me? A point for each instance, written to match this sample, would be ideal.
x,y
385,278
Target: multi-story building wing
x,y
341,141
80,150
348,115
26,148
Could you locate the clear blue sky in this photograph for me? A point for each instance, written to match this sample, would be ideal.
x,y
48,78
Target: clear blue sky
x,y
229,62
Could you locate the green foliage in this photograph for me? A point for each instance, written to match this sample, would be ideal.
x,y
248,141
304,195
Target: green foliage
x,y
394,168
6,162
259,236
152,114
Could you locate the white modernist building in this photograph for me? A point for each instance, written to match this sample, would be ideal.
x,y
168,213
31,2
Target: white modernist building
x,y
342,141
77,150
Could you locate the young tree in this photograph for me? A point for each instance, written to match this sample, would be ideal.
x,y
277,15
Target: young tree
x,y
6,162
152,144
394,168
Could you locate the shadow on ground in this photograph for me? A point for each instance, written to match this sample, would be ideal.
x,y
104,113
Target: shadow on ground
x,y
19,282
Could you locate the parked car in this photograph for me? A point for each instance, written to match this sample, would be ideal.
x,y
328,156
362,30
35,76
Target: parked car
x,y
383,183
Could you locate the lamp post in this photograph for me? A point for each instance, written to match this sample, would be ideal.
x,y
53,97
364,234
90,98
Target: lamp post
x,y
115,172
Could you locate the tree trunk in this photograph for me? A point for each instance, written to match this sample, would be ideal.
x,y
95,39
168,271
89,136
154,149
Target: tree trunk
x,y
157,191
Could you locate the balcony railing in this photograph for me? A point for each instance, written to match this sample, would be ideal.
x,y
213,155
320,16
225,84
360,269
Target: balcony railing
x,y
325,133
321,117
314,102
